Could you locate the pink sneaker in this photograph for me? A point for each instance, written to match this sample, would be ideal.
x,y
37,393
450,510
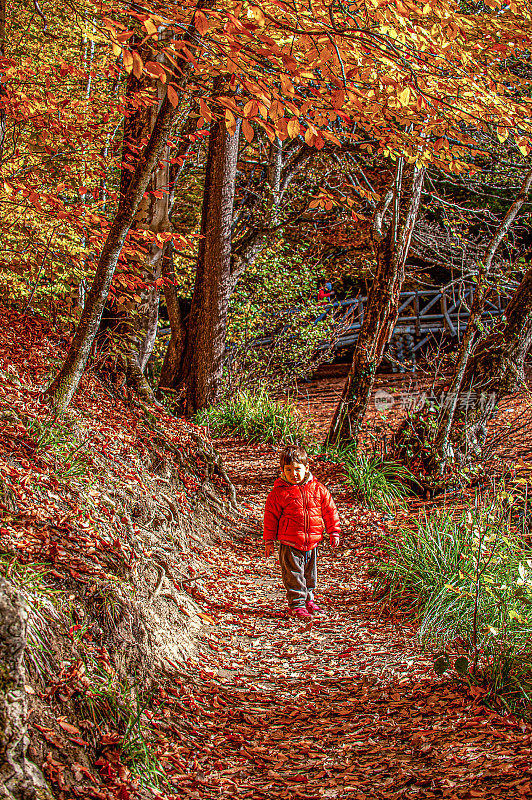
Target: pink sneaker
x,y
301,613
312,608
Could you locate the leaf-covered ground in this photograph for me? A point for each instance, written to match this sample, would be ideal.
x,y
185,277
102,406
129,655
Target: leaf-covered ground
x,y
268,707
347,706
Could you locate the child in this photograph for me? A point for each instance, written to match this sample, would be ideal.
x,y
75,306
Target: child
x,y
297,509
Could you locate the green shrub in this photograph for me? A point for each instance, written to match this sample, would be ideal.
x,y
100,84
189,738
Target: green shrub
x,y
470,580
256,417
379,483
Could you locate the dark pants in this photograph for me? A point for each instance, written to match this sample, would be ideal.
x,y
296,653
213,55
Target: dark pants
x,y
299,573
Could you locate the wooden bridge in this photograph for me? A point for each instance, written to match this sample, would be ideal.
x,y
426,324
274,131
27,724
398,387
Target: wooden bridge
x,y
423,312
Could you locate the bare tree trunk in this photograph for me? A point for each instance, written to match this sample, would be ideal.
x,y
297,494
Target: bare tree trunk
x,y
441,448
382,305
206,330
19,778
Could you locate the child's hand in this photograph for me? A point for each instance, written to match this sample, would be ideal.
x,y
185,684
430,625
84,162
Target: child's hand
x,y
335,539
268,549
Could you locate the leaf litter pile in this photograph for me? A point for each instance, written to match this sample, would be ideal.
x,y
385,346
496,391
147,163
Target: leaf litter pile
x,y
267,707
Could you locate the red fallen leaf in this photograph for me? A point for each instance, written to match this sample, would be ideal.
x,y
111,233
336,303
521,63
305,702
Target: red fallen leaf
x,y
110,738
69,728
346,652
78,740
55,771
106,768
297,778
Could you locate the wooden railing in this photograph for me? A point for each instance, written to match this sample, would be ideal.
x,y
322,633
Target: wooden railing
x,y
422,313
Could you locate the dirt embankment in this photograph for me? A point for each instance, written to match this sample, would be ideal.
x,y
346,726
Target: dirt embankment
x,y
104,519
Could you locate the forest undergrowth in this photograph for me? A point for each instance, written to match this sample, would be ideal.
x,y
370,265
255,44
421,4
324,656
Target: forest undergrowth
x,y
161,661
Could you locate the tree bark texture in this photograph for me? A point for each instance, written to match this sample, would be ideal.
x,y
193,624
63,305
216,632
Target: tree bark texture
x,y
19,777
174,352
382,306
206,330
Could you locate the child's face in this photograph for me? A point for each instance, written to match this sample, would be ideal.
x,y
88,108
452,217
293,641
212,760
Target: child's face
x,y
295,472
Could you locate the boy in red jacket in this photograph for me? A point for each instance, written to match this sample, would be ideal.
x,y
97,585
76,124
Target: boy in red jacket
x,y
297,510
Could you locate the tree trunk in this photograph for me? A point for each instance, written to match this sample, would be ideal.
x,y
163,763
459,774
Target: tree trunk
x,y
442,437
174,353
382,306
206,330
19,778
65,384
497,364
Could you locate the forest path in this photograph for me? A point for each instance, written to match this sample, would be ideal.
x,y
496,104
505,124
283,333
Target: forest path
x,y
345,707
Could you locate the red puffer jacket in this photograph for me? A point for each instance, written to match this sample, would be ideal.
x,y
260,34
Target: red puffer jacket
x,y
296,514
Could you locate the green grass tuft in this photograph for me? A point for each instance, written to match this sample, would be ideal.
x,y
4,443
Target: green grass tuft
x,y
256,417
380,484
469,580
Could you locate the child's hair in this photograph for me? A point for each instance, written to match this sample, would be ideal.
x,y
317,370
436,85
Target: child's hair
x,y
292,453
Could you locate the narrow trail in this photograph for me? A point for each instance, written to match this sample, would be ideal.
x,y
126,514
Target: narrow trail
x,y
345,707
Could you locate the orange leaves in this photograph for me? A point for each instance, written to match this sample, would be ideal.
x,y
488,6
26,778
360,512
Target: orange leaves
x,y
155,70
173,95
287,85
251,109
201,23
133,63
247,130
230,122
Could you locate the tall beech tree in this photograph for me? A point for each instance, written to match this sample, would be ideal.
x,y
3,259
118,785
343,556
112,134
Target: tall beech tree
x,y
65,384
201,368
188,357
502,353
392,244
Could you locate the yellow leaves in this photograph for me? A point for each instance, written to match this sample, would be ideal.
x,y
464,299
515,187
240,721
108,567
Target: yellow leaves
x,y
502,134
230,122
404,96
258,15
150,26
523,146
294,128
